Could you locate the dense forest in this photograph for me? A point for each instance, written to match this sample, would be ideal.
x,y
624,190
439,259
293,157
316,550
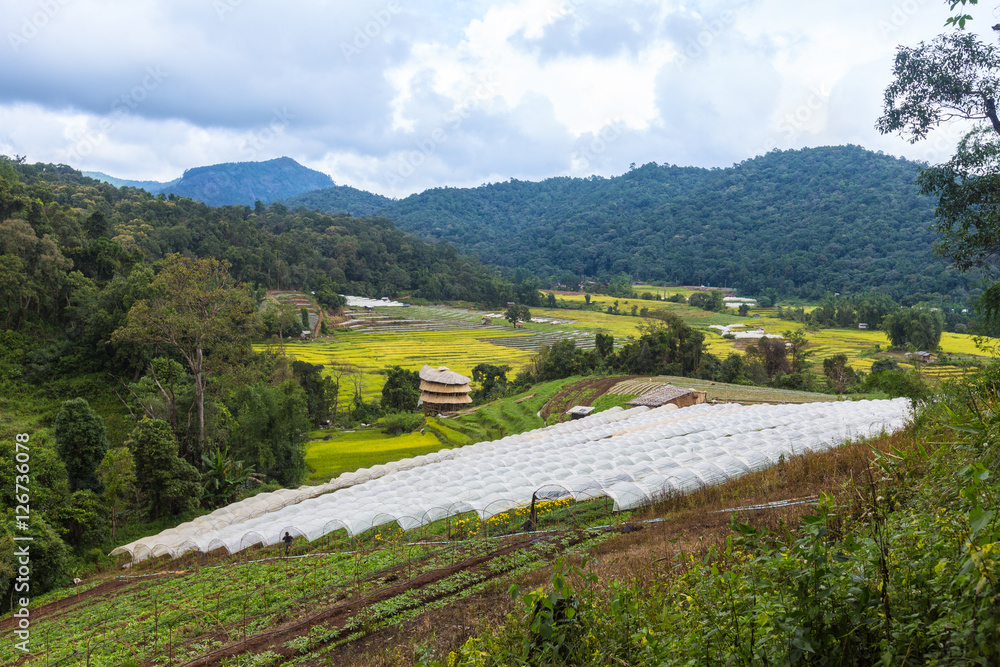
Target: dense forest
x,y
804,222
92,231
128,322
234,183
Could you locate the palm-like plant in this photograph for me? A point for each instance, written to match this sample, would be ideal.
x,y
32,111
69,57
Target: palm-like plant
x,y
224,476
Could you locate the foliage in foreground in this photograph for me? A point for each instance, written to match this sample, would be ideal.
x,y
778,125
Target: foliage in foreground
x,y
905,575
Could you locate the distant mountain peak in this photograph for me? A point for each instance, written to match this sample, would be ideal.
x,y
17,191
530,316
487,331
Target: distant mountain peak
x,y
241,183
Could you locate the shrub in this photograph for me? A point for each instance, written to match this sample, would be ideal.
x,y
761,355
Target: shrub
x,y
401,422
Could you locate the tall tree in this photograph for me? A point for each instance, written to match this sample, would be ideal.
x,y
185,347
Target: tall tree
x,y
772,354
81,442
319,390
604,343
838,373
117,474
918,327
270,425
170,484
956,77
515,313
401,390
492,381
198,310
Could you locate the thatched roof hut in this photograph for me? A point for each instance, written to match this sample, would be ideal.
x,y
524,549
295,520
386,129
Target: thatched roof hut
x,y
442,390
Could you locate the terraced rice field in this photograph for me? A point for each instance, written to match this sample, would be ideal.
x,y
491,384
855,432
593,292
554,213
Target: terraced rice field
x,y
454,337
945,372
299,300
590,323
720,390
460,350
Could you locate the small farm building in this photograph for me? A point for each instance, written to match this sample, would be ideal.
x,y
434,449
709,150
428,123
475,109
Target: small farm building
x,y
668,393
442,390
579,411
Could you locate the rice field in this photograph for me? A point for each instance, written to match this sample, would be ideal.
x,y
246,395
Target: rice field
x,y
347,451
719,390
456,338
299,300
460,350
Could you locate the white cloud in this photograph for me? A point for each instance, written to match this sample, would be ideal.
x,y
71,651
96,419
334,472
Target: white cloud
x,y
453,93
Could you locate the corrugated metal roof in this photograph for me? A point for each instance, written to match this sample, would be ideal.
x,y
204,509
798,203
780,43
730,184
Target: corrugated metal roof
x,y
660,396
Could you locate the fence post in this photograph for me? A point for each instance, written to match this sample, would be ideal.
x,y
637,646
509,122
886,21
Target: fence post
x,y
156,625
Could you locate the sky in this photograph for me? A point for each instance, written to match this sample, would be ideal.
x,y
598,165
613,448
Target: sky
x,y
397,96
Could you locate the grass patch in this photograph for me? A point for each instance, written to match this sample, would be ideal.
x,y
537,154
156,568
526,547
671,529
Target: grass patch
x,y
608,401
346,451
447,434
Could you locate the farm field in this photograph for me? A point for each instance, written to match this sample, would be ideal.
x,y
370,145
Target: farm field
x,y
544,403
217,610
720,390
455,337
346,451
261,608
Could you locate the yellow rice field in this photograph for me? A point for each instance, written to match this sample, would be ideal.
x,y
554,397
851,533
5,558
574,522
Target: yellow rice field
x,y
459,350
463,347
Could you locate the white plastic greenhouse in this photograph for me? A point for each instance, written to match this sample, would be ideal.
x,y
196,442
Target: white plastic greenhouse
x,y
631,456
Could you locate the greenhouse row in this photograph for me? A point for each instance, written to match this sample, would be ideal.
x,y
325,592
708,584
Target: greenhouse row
x,y
631,456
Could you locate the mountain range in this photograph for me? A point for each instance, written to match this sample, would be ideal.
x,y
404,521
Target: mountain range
x,y
805,222
234,182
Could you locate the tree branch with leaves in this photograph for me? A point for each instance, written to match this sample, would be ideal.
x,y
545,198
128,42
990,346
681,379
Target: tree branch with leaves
x,y
198,312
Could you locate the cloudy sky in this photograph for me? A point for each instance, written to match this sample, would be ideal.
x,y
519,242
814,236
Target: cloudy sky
x,y
396,96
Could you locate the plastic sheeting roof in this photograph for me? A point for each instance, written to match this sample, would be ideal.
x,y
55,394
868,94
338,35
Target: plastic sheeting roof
x,y
631,456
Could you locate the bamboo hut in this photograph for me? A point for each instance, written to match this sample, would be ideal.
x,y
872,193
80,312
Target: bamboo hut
x,y
442,390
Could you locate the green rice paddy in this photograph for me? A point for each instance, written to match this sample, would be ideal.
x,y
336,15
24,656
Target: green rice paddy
x,y
346,451
456,338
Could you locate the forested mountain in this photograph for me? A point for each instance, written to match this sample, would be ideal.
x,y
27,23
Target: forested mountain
x,y
235,182
806,222
153,187
65,237
342,199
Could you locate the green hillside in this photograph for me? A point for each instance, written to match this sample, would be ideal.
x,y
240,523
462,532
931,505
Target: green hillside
x,y
805,222
234,182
